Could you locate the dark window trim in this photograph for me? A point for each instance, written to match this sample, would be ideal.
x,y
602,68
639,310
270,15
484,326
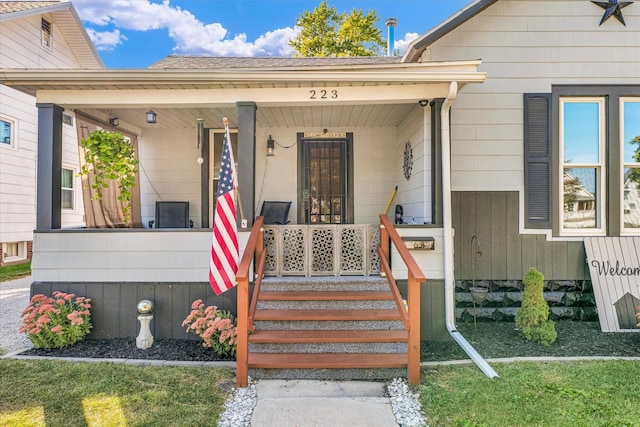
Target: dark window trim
x,y
613,193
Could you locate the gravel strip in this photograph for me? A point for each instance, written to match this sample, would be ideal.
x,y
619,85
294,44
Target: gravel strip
x,y
405,404
14,297
239,408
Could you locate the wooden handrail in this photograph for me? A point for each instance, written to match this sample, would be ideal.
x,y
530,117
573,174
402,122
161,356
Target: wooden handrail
x,y
253,249
415,277
259,270
411,263
386,268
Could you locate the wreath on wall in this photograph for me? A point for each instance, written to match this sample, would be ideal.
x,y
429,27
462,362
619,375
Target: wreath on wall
x,y
408,160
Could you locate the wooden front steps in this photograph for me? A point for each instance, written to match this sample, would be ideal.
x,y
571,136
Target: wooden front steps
x,y
328,336
327,328
327,360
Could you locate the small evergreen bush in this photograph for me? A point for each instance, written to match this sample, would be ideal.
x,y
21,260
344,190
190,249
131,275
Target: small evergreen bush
x,y
533,315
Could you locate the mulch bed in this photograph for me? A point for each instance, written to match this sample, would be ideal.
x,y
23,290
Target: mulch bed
x,y
490,339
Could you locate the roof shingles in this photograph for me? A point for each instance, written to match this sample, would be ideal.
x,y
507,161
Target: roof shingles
x,y
213,62
20,6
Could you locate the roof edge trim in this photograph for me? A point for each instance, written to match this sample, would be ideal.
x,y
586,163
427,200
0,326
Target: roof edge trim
x,y
416,47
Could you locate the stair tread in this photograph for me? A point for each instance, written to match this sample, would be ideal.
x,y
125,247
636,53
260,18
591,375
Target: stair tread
x,y
335,336
327,360
352,314
325,295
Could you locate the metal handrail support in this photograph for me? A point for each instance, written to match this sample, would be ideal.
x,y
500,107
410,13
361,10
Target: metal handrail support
x,y
415,277
253,249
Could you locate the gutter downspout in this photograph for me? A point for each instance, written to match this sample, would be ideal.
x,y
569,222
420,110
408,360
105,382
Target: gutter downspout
x,y
449,297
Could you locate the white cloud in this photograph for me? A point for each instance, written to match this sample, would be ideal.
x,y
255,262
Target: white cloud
x,y
106,40
190,35
401,45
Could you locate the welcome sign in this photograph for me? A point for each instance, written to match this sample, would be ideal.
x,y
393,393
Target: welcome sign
x,y
614,265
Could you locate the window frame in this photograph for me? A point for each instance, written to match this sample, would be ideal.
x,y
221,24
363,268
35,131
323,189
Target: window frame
x,y
625,231
72,189
22,252
13,132
600,166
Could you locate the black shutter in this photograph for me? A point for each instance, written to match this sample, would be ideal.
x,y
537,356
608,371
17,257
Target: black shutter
x,y
537,159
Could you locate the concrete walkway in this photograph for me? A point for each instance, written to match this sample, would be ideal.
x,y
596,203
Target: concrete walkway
x,y
298,403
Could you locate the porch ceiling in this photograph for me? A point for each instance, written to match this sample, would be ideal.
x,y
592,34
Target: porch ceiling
x,y
371,115
372,95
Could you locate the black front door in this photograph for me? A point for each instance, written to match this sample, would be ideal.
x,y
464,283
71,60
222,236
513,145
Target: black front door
x,y
325,175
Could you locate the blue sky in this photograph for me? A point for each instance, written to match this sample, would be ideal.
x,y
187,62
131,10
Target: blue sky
x,y
138,33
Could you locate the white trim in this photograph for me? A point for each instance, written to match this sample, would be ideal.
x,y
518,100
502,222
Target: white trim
x,y
600,167
22,252
13,137
74,197
626,231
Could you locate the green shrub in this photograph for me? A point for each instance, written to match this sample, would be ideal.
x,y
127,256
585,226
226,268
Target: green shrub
x,y
533,315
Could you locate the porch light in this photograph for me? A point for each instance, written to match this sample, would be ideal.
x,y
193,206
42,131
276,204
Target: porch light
x,y
151,116
113,121
200,124
270,146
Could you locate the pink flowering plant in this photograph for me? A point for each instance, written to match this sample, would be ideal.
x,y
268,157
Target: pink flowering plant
x,y
638,316
58,321
216,327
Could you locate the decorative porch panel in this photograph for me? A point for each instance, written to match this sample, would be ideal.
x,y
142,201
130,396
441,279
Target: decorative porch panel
x,y
322,250
492,216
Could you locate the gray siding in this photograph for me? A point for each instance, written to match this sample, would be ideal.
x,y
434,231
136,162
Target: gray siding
x,y
507,254
113,310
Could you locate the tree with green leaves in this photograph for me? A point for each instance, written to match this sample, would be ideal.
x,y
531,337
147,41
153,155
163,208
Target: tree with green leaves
x,y
327,33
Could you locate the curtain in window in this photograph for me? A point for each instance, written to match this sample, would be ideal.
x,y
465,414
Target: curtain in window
x,y
108,212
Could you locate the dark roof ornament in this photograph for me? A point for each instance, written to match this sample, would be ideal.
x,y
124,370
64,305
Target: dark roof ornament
x,y
612,7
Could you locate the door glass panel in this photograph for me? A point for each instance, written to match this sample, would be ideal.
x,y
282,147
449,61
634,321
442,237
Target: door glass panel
x,y
325,181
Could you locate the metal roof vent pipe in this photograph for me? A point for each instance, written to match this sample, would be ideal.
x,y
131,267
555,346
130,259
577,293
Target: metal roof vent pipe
x,y
390,23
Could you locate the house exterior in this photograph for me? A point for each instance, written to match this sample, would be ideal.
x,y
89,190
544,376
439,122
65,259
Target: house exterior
x,y
559,106
36,34
477,127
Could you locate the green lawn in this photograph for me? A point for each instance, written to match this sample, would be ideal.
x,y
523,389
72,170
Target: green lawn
x,y
14,271
55,393
602,393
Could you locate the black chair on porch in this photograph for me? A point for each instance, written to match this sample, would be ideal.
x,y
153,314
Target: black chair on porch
x,y
275,212
172,215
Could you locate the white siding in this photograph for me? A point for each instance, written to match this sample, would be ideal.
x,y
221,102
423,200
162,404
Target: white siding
x,y
414,194
20,47
124,256
527,46
374,162
168,170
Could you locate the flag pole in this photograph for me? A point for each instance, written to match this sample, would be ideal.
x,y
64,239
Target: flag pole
x,y
225,122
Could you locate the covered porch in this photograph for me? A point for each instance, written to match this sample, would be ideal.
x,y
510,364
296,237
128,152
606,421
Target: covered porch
x,y
387,121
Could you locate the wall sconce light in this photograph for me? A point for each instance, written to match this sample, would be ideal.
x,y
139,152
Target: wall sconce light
x,y
423,102
270,146
200,125
151,116
113,121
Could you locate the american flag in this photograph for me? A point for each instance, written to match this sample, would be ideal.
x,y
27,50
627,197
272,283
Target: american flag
x,y
224,249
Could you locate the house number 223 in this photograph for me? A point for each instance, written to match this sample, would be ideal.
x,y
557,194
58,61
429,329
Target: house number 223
x,y
323,94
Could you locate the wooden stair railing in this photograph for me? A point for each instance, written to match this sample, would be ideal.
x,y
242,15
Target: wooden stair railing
x,y
415,277
254,251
